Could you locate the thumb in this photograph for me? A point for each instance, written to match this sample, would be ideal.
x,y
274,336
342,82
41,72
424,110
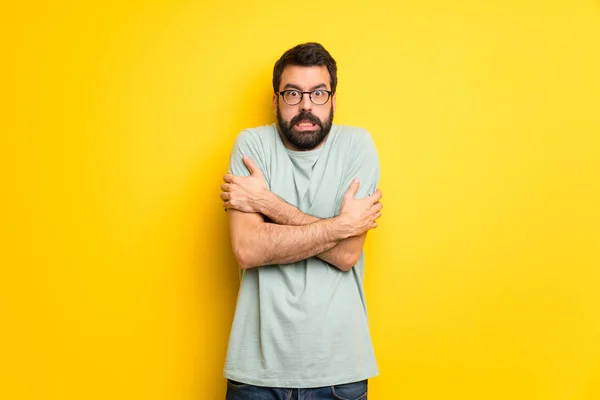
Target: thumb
x,y
254,170
353,188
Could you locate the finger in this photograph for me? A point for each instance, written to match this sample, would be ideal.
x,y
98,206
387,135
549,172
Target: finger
x,y
226,205
375,197
226,187
376,207
351,192
228,178
253,168
225,196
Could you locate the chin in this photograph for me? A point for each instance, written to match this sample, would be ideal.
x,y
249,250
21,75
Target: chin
x,y
305,133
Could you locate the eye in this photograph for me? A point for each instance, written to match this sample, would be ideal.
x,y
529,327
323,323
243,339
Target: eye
x,y
293,93
317,93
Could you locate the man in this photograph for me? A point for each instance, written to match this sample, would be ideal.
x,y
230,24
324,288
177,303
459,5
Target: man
x,y
301,195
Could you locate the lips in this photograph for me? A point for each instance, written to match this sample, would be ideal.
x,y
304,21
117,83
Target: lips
x,y
306,121
305,125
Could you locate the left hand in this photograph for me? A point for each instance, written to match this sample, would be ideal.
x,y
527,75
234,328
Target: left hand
x,y
245,193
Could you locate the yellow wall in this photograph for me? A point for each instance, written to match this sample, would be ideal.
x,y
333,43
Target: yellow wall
x,y
117,280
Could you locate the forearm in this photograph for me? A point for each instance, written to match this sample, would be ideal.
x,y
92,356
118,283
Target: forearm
x,y
283,213
266,244
343,254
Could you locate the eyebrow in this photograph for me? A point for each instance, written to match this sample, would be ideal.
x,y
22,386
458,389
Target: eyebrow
x,y
292,86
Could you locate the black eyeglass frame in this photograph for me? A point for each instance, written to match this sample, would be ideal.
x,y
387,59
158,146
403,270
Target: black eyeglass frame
x,y
282,94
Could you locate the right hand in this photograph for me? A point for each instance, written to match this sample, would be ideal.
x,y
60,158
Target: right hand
x,y
245,193
360,214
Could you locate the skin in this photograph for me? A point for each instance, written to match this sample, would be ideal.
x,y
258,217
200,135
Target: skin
x,y
292,235
251,196
304,79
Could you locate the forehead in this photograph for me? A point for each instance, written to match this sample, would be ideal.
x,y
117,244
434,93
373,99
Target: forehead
x,y
304,77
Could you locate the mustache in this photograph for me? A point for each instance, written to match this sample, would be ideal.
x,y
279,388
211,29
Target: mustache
x,y
306,116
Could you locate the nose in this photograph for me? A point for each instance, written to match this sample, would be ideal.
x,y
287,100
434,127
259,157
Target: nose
x,y
306,103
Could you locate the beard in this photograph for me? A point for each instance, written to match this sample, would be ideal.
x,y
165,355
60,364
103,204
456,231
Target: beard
x,y
305,140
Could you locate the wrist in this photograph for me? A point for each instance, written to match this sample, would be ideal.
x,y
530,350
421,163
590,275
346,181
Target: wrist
x,y
342,227
267,204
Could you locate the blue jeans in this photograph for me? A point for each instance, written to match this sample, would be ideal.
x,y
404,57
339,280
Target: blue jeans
x,y
348,391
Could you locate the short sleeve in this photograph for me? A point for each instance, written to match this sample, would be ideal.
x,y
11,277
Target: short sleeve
x,y
364,165
247,144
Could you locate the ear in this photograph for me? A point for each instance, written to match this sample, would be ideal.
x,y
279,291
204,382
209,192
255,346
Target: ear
x,y
275,99
333,101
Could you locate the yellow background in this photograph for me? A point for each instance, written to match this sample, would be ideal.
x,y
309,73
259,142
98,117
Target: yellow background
x,y
117,279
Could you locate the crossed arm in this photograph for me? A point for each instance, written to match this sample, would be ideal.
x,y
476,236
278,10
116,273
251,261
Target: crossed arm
x,y
293,235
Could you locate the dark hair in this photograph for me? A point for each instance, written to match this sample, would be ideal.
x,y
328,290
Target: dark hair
x,y
306,55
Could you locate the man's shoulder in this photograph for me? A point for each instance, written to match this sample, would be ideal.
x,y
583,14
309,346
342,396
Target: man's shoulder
x,y
352,135
351,129
256,139
259,132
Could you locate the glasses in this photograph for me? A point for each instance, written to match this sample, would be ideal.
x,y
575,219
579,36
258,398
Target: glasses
x,y
294,97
